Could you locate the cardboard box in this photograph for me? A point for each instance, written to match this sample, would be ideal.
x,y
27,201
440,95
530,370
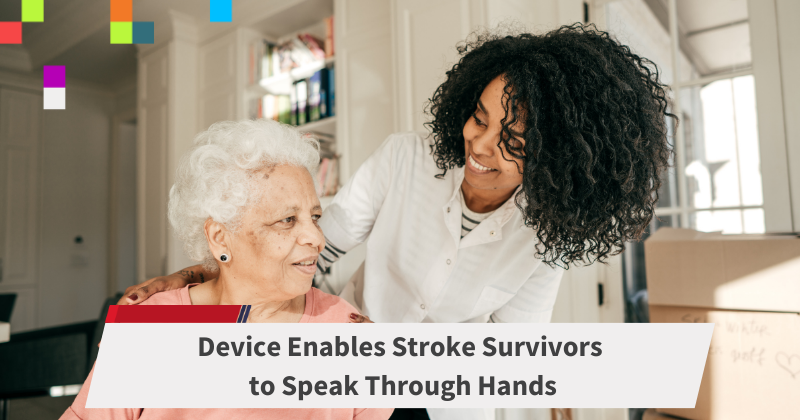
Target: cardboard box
x,y
753,365
711,270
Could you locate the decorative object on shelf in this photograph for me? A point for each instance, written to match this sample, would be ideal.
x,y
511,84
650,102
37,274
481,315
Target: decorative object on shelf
x,y
309,100
328,176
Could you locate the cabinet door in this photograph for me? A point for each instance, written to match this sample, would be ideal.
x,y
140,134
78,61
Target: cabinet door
x,y
151,170
365,90
20,136
365,96
426,36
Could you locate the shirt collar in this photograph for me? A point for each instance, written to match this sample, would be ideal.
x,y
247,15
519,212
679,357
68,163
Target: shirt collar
x,y
493,223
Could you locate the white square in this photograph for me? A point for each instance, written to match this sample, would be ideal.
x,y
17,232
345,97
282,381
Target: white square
x,y
55,98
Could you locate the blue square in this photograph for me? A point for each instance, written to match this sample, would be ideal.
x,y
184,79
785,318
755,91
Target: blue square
x,y
221,10
143,32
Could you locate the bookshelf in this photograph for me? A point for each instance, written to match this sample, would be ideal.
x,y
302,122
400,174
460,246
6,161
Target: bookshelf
x,y
289,64
364,82
281,84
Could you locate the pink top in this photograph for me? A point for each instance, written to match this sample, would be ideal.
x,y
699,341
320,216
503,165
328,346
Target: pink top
x,y
320,307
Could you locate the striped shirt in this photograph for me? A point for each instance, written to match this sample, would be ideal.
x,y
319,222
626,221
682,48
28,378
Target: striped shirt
x,y
469,219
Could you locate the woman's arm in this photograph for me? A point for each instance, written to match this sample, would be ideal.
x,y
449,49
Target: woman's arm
x,y
348,220
140,292
534,300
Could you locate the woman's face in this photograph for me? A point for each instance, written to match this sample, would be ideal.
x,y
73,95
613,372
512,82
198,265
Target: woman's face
x,y
486,168
278,241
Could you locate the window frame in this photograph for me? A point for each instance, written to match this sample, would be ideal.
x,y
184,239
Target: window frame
x,y
770,117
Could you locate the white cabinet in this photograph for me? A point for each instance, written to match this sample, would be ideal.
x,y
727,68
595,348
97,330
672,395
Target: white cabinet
x,y
152,168
20,144
425,35
366,89
167,123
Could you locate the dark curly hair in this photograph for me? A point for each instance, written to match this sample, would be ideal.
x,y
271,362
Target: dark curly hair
x,y
595,134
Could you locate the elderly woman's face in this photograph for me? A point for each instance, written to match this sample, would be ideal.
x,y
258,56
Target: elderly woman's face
x,y
279,240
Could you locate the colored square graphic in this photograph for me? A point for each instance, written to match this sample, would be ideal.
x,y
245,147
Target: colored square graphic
x,y
121,10
33,10
221,10
121,32
55,76
143,32
10,32
55,98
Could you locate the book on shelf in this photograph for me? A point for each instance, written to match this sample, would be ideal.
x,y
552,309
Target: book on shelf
x,y
267,59
293,106
331,96
314,96
275,107
309,100
329,37
302,101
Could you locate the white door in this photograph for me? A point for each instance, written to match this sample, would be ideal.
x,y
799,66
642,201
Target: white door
x,y
20,136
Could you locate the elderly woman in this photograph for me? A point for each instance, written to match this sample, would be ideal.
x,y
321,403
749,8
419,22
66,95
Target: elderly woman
x,y
244,202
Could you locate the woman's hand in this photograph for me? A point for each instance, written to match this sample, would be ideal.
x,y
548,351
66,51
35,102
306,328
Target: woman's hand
x,y
140,292
359,319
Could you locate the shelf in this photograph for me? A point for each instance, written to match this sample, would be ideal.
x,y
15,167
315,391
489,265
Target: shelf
x,y
324,126
282,83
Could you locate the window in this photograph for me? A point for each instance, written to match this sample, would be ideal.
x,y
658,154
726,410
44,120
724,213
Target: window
x,y
702,49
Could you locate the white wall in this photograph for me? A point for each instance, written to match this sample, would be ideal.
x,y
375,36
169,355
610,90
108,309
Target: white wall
x,y
126,207
72,281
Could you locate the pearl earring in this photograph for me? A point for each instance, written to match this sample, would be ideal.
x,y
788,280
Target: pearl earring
x,y
224,257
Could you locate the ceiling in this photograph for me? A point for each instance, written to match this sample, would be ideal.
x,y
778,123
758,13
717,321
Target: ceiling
x,y
717,32
714,34
75,33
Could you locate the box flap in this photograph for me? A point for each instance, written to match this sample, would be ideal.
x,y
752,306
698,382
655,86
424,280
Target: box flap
x,y
711,270
674,234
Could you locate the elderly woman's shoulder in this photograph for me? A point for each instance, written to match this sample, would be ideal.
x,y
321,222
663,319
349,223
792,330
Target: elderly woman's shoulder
x,y
327,308
170,297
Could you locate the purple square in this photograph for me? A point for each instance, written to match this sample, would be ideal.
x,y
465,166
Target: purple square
x,y
55,76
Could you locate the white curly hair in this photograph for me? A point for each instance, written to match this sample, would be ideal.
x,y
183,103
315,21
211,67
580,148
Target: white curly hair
x,y
213,179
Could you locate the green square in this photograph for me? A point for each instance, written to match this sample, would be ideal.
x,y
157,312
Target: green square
x,y
122,32
33,10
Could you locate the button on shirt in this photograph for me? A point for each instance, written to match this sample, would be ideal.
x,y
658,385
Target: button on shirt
x,y
418,268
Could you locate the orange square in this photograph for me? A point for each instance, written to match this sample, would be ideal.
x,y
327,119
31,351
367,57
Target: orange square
x,y
121,10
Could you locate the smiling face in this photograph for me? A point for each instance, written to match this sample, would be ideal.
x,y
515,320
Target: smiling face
x,y
276,245
486,168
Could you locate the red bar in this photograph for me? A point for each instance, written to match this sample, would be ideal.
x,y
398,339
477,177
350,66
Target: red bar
x,y
121,10
164,314
10,32
112,314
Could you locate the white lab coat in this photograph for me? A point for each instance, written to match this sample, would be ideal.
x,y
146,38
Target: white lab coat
x,y
417,267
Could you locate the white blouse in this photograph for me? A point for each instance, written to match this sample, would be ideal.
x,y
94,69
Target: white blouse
x,y
418,268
